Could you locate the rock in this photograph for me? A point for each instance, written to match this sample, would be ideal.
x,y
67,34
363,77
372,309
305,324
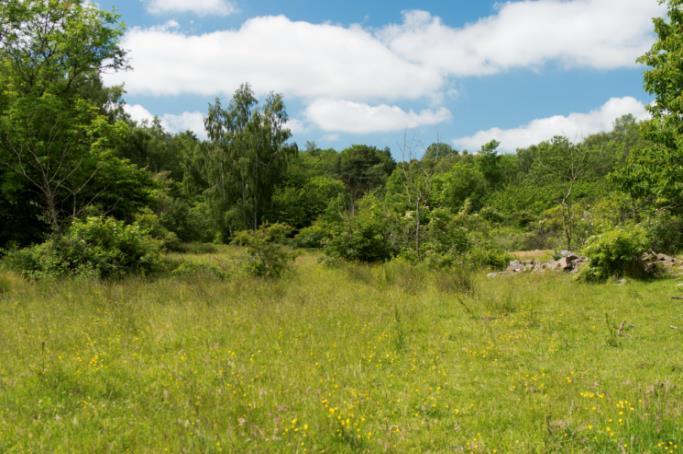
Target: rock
x,y
666,259
622,281
491,275
515,266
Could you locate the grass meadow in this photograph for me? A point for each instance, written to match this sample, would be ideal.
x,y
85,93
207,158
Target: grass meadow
x,y
340,359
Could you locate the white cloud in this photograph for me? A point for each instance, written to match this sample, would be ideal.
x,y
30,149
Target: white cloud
x,y
138,113
601,34
358,118
351,77
296,126
186,121
407,61
575,126
272,53
200,7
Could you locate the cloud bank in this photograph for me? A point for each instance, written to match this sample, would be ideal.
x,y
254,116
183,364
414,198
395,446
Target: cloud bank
x,y
574,126
357,76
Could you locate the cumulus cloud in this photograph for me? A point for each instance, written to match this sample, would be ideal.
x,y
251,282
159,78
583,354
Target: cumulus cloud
x,y
602,34
405,61
272,53
575,126
351,68
199,7
359,118
186,121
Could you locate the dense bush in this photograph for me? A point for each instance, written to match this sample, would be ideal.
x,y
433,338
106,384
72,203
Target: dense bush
x,y
361,238
616,253
484,256
152,224
313,236
267,257
665,233
101,246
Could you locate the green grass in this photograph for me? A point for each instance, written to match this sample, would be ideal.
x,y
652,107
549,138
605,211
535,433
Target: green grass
x,y
338,360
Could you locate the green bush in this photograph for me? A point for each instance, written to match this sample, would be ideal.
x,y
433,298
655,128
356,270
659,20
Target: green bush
x,y
98,245
267,257
483,256
362,238
616,253
152,224
312,237
665,233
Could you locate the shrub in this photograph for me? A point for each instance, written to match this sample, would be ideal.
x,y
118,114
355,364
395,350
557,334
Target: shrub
x,y
267,257
151,223
665,233
312,237
271,233
483,256
616,253
361,238
97,245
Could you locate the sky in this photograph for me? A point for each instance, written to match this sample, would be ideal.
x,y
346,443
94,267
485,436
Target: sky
x,y
400,74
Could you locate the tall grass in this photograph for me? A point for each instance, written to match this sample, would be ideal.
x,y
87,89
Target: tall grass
x,y
340,360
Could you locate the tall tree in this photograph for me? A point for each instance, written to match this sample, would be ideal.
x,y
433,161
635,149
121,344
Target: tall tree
x,y
249,158
363,168
653,174
54,120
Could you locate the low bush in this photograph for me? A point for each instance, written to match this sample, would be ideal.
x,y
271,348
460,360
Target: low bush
x,y
665,233
616,253
151,223
267,257
361,238
312,237
488,257
101,246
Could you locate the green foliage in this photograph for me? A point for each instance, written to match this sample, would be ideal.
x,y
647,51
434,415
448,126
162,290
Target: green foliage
x,y
488,257
665,232
463,182
99,246
267,257
53,107
313,236
664,79
248,157
299,206
489,163
363,168
615,253
150,222
365,237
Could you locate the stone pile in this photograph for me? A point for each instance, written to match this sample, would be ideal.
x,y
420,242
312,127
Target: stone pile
x,y
569,262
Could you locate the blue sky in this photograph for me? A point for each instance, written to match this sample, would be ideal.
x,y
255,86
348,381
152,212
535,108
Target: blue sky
x,y
462,72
